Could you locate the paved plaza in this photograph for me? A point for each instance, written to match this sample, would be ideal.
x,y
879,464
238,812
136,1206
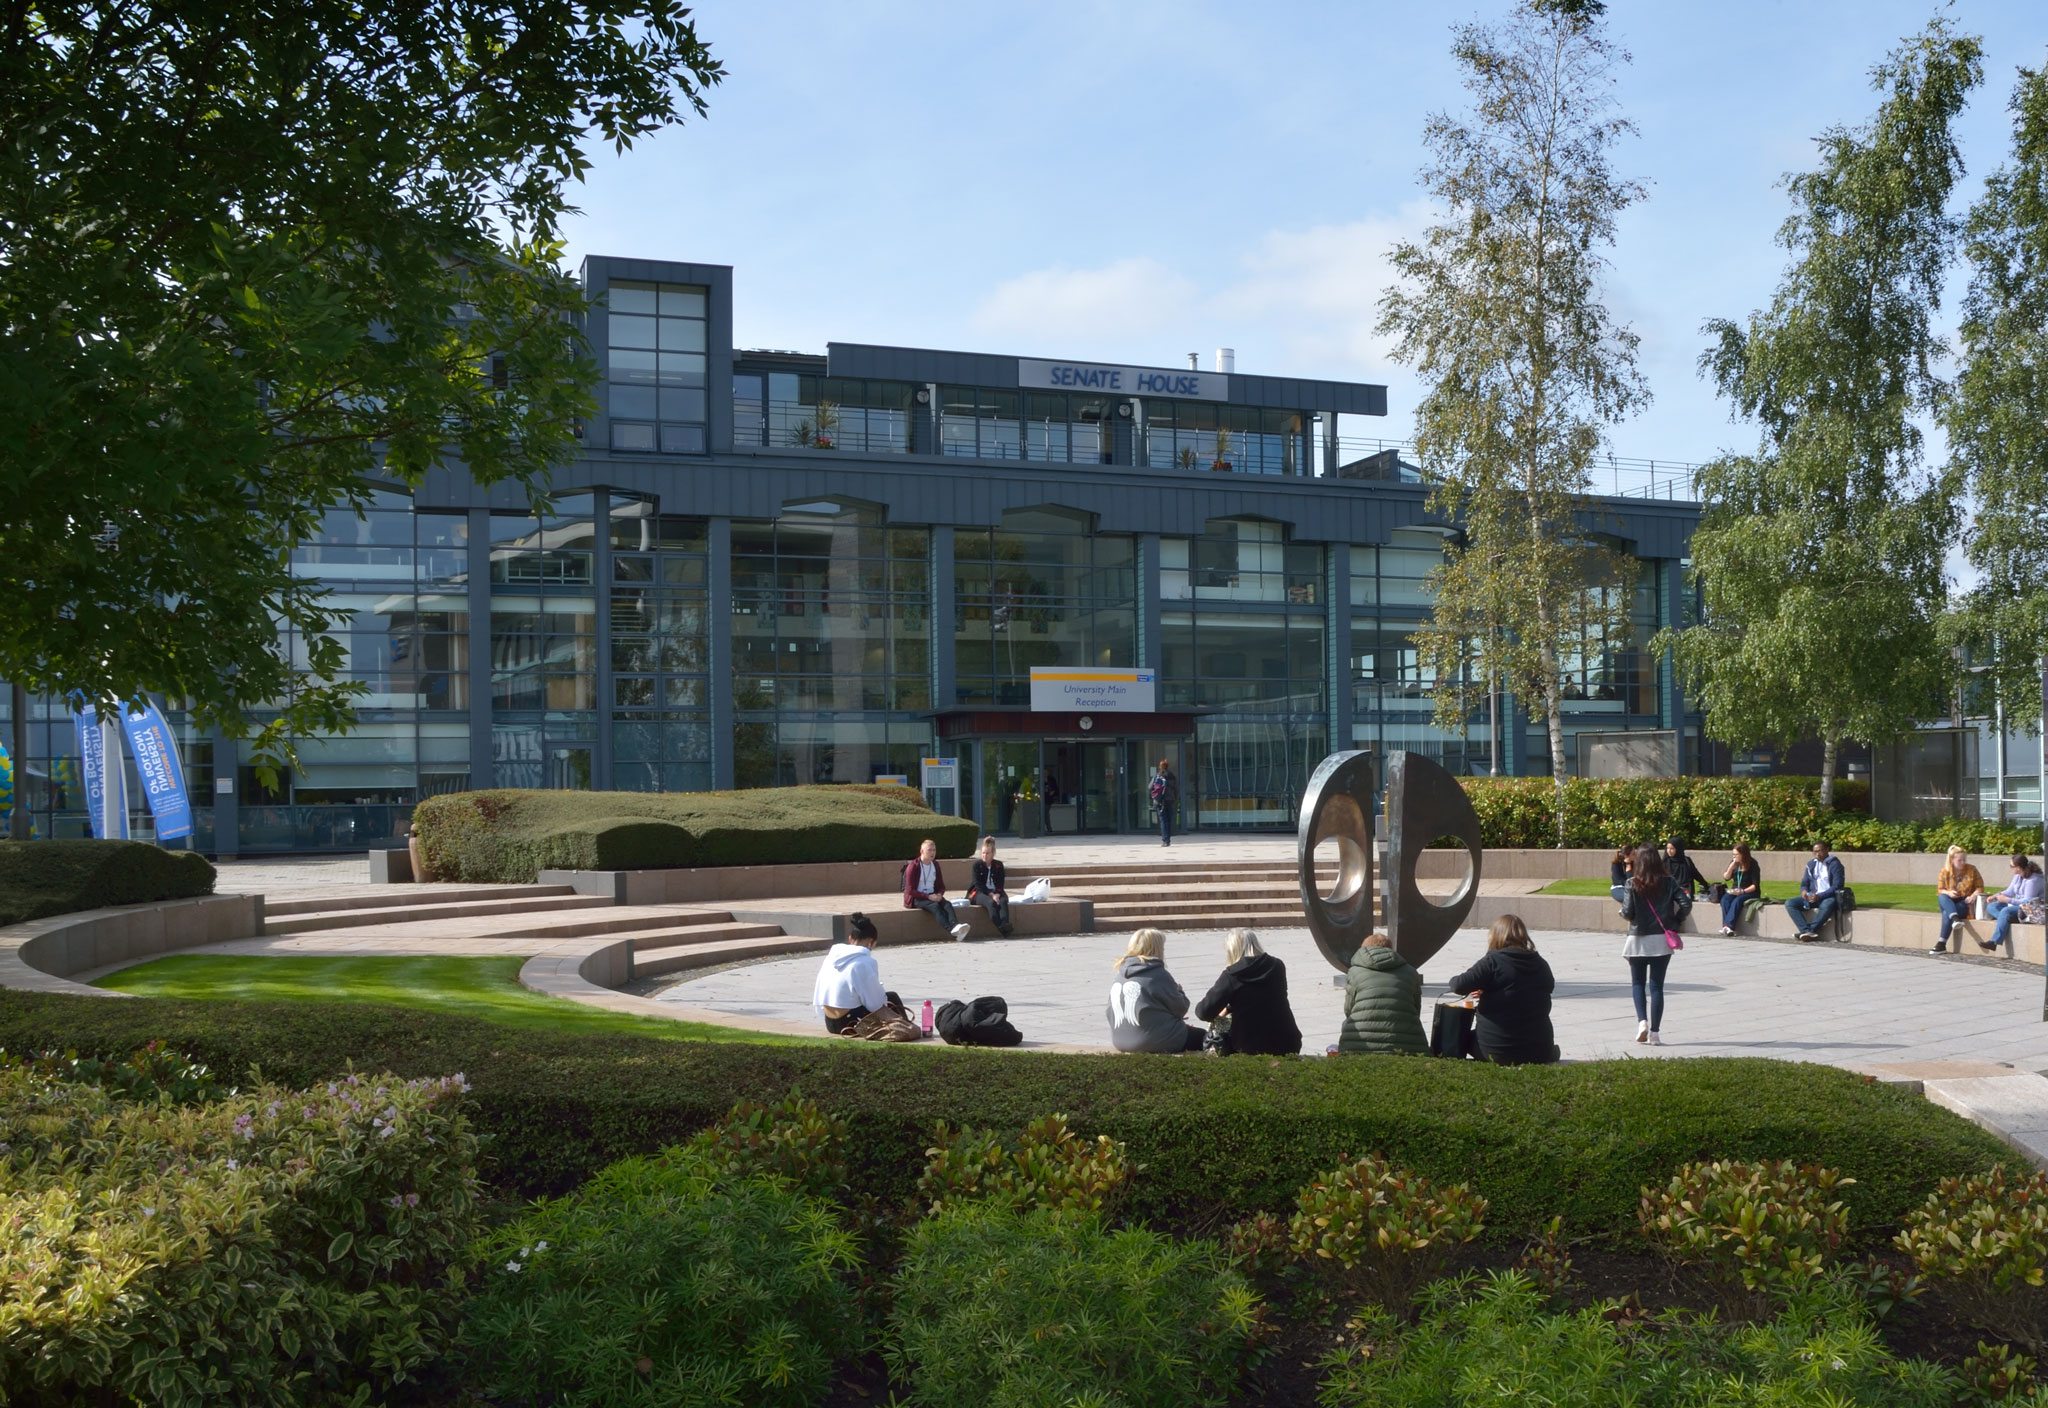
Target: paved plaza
x,y
1832,1003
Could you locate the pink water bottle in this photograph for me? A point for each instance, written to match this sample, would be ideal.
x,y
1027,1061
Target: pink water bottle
x,y
924,1018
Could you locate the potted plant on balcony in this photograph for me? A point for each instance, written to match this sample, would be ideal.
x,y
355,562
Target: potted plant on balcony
x,y
821,433
1187,457
1221,464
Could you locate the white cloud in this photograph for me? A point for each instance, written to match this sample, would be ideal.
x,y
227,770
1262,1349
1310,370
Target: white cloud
x,y
1064,307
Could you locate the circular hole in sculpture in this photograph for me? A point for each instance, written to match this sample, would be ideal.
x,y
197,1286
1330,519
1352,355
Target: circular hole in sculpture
x,y
1339,868
1445,871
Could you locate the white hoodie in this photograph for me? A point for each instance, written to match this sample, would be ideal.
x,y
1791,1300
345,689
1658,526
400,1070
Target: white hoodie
x,y
848,978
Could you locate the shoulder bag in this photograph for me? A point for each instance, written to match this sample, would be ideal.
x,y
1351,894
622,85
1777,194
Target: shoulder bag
x,y
1672,938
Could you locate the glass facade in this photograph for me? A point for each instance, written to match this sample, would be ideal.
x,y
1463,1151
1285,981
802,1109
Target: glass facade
x,y
1039,590
660,655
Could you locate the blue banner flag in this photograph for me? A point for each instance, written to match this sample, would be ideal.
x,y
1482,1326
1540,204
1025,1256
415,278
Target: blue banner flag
x,y
156,762
92,766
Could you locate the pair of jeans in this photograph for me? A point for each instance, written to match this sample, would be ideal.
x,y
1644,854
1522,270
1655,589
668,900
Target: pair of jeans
x,y
998,907
2004,913
941,910
1617,891
1807,918
1731,909
1648,973
1165,822
1952,909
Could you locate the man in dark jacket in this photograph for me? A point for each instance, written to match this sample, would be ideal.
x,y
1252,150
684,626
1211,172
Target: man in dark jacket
x,y
1382,1003
1165,794
1253,991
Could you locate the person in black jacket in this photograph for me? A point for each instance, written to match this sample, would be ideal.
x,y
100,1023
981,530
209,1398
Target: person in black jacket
x,y
1684,875
1252,990
1514,984
987,889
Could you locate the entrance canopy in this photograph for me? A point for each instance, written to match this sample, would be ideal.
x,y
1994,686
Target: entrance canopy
x,y
1031,723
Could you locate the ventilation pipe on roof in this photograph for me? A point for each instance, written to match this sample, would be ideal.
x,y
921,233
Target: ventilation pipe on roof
x,y
1226,360
1194,361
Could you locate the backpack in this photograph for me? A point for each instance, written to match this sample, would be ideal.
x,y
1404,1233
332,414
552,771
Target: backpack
x,y
982,1022
885,1025
1158,789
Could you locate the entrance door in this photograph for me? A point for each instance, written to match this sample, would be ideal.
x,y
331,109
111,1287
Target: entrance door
x,y
1100,779
1141,761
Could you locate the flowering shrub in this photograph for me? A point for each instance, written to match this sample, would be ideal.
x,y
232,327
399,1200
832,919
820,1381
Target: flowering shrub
x,y
664,1281
274,1246
150,1073
1986,1237
1761,1232
794,1141
1383,1231
1049,1167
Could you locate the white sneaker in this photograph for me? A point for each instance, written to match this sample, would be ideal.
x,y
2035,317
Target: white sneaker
x,y
1727,932
1656,1040
960,933
1642,1032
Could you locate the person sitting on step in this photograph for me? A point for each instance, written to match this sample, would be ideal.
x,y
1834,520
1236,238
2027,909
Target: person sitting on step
x,y
987,888
2021,899
1382,1003
1820,894
924,887
849,983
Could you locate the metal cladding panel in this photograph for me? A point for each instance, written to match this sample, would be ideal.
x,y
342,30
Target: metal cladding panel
x,y
931,490
920,364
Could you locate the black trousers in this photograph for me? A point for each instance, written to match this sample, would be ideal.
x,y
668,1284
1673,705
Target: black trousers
x,y
998,907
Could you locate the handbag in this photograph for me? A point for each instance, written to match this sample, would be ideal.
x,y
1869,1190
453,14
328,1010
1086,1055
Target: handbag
x,y
1672,939
885,1025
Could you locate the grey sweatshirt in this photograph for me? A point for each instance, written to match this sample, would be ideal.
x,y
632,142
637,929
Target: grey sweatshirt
x,y
1146,1007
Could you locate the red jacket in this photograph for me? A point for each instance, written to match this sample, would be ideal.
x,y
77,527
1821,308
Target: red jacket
x,y
938,891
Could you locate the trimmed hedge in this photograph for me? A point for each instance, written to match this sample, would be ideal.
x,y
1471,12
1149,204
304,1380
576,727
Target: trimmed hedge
x,y
1217,1139
1767,813
42,878
509,836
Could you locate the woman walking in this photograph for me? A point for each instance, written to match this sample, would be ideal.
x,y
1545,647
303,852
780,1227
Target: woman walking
x,y
1741,882
1648,906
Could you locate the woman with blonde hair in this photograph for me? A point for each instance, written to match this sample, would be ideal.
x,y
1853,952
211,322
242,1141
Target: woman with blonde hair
x,y
1252,993
1513,983
1145,1004
1958,884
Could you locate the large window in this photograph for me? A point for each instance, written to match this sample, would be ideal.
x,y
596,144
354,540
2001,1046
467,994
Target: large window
x,y
657,360
1039,590
661,712
831,611
802,411
1201,435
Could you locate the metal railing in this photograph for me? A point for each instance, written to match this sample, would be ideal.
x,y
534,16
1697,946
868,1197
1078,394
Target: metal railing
x,y
780,425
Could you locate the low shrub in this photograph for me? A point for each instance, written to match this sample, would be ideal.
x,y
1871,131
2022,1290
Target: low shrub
x,y
1493,1341
1767,813
152,1073
276,1246
509,836
1217,1139
1047,1166
664,1281
1760,1232
1383,1232
1986,1237
43,878
1034,1309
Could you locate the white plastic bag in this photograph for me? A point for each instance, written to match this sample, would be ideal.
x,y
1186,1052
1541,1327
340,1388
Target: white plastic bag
x,y
1037,892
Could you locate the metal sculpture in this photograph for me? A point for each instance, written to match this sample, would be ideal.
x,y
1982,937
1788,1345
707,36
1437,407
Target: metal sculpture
x,y
1423,803
1339,807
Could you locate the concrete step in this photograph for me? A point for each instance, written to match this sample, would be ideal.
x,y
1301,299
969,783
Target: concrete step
x,y
623,921
1217,890
413,914
401,896
656,940
739,950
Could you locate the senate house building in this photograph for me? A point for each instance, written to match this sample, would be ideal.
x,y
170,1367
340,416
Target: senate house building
x,y
1041,574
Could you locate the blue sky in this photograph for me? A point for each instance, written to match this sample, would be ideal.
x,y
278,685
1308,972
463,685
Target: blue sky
x,y
1134,181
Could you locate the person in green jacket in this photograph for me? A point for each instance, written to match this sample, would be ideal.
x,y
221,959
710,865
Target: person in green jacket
x,y
1382,1003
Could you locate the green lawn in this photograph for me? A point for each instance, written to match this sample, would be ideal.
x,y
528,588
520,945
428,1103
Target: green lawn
x,y
1911,897
475,987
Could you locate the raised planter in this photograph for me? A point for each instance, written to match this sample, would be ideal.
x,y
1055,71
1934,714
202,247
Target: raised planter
x,y
43,954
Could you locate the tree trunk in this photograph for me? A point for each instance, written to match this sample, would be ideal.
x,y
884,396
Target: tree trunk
x,y
1492,725
1553,712
1828,747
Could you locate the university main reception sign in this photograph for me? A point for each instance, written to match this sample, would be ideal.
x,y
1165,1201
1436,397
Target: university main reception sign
x,y
1098,690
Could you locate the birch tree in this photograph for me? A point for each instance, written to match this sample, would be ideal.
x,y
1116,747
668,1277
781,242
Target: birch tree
x,y
1500,311
1997,418
1820,555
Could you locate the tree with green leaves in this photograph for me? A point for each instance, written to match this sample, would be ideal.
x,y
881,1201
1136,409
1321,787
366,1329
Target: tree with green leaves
x,y
1500,311
251,259
1819,557
1997,415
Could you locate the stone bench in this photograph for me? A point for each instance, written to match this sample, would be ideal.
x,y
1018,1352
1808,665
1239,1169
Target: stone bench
x,y
825,917
43,955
